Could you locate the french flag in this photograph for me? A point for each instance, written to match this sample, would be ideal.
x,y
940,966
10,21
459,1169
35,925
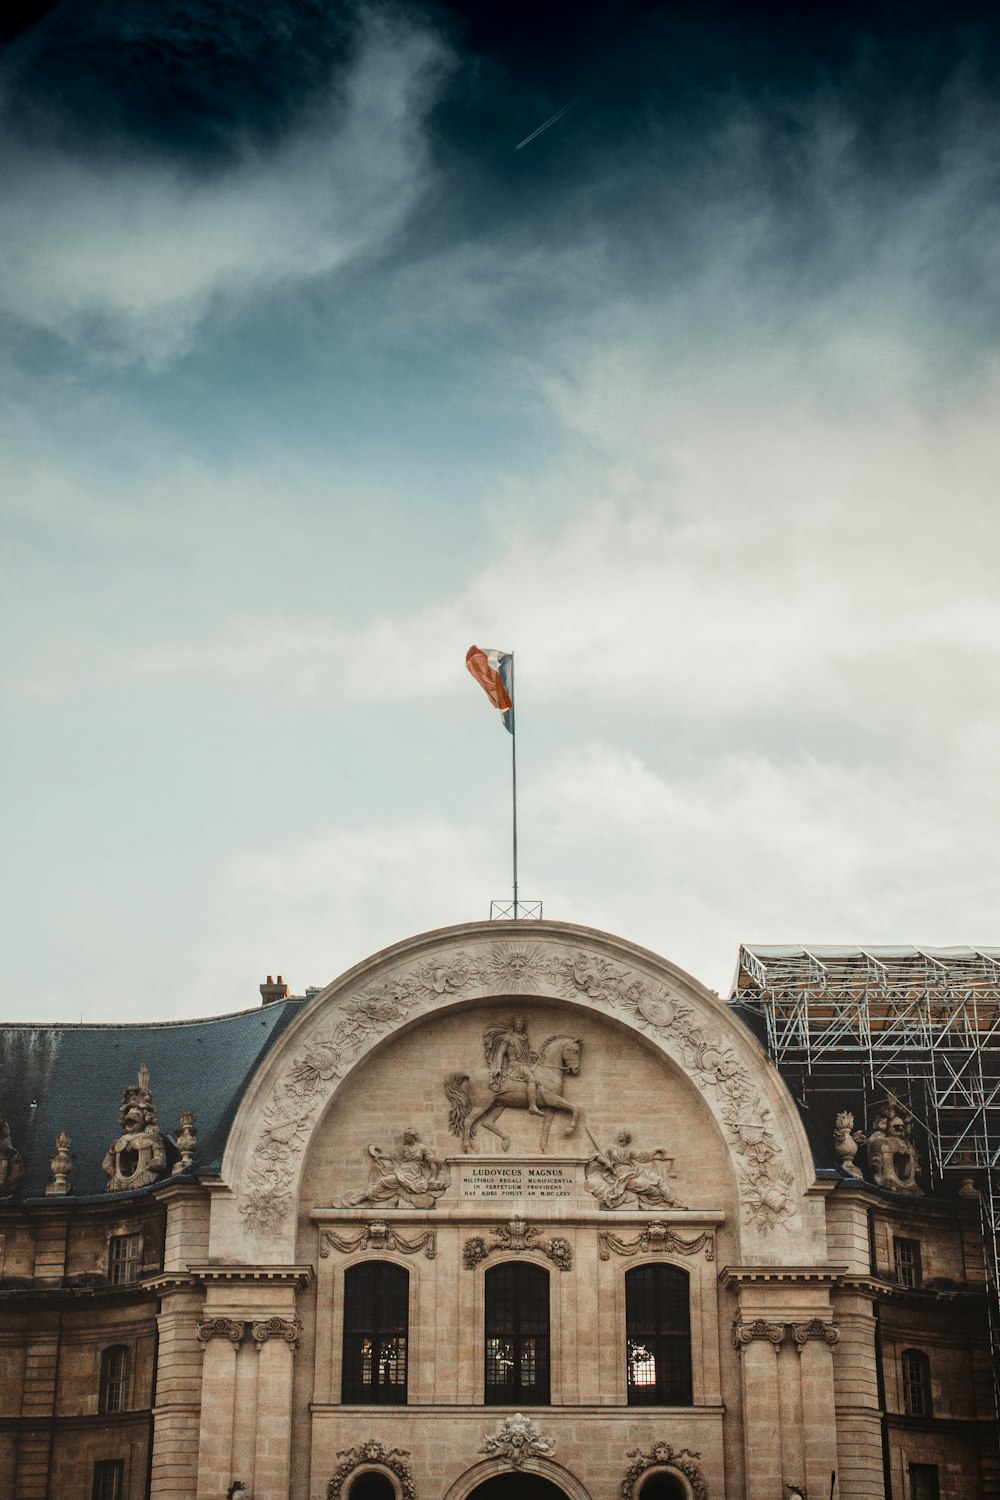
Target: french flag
x,y
494,671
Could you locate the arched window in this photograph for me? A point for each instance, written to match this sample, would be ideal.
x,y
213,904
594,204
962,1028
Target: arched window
x,y
371,1485
916,1383
663,1487
114,1379
376,1297
517,1335
658,1333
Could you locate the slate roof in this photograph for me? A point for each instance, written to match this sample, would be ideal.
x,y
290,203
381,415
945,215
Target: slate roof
x,y
72,1078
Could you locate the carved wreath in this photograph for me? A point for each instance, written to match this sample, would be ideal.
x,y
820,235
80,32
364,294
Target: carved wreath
x,y
766,1186
517,1236
663,1454
372,1452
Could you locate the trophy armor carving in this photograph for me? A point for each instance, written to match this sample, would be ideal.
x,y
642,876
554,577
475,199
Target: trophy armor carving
x,y
139,1155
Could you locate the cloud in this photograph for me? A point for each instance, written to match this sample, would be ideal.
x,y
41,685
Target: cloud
x,y
126,258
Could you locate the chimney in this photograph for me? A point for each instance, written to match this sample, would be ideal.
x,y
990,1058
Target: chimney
x,y
274,989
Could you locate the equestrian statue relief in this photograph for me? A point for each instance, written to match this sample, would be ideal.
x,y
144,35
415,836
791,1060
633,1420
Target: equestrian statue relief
x,y
516,1076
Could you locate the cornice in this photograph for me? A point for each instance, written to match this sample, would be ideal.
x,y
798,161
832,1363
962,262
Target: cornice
x,y
875,1286
737,1276
299,1276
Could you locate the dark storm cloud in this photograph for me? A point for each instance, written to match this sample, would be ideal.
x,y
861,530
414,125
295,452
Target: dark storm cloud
x,y
202,80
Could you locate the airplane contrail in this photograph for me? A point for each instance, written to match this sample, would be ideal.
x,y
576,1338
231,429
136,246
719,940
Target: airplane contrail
x,y
550,121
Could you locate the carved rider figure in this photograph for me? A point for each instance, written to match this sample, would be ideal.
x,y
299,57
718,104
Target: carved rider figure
x,y
509,1055
11,1165
626,1172
139,1155
412,1174
892,1156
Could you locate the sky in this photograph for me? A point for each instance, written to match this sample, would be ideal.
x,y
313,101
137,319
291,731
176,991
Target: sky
x,y
313,375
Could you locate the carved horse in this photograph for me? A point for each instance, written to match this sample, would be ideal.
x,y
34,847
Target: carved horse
x,y
475,1102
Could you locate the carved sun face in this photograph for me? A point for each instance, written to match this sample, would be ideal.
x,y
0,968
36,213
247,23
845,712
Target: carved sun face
x,y
517,969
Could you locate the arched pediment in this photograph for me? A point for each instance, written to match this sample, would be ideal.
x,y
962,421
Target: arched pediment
x,y
575,966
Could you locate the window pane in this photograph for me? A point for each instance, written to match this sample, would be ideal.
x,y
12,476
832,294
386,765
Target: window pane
x,y
658,1348
517,1334
916,1371
376,1297
924,1482
109,1479
906,1261
123,1259
114,1379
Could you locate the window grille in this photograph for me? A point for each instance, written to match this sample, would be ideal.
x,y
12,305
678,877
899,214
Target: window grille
x,y
109,1479
114,1379
658,1336
924,1482
124,1255
906,1258
916,1383
517,1335
376,1309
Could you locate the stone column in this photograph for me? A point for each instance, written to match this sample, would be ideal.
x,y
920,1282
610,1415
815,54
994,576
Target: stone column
x,y
859,1429
277,1340
177,1399
759,1342
815,1341
221,1338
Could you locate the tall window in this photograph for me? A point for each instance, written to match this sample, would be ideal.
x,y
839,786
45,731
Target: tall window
x,y
906,1259
124,1252
376,1298
924,1482
114,1379
658,1334
517,1335
916,1383
371,1485
109,1479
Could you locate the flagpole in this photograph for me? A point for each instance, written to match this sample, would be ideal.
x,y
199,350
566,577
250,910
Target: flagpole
x,y
513,773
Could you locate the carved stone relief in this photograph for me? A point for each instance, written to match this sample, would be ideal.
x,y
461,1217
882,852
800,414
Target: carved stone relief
x,y
515,1077
377,1236
139,1155
656,1239
663,1455
892,1157
745,1333
372,1454
502,968
411,1178
513,1236
624,1177
11,1165
517,1439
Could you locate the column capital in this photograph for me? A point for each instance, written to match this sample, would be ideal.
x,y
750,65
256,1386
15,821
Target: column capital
x,y
815,1329
221,1328
288,1329
760,1328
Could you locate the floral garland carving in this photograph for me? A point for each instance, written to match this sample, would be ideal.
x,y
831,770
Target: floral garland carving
x,y
656,1238
377,1236
514,967
681,1459
372,1452
517,1235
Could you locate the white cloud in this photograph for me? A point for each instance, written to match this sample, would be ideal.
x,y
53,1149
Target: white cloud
x,y
128,258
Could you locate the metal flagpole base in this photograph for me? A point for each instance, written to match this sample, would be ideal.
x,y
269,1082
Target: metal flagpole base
x,y
503,911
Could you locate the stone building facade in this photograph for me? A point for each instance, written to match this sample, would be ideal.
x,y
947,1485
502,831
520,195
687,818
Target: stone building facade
x,y
507,1210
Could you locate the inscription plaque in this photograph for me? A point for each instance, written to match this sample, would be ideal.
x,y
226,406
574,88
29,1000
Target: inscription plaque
x,y
507,1180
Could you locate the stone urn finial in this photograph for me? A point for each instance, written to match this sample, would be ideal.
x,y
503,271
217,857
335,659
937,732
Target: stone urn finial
x,y
187,1142
846,1141
61,1165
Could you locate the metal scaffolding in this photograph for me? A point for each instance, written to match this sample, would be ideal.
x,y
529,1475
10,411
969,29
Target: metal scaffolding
x,y
921,1023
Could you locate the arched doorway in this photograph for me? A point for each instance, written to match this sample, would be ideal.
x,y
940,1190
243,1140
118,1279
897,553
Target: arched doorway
x,y
663,1486
517,1487
372,1485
